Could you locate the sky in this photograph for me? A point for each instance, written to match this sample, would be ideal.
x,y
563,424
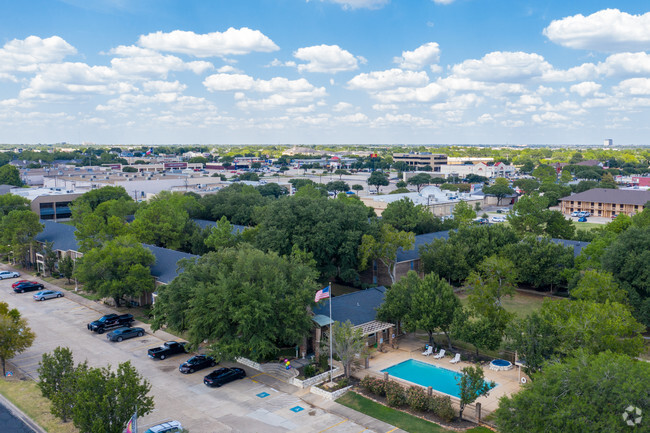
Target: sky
x,y
325,71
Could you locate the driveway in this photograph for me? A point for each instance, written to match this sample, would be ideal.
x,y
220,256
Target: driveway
x,y
259,403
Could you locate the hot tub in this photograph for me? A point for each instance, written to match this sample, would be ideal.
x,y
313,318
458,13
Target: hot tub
x,y
500,365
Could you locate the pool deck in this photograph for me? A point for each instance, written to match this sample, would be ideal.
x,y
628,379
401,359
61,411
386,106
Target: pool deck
x,y
411,348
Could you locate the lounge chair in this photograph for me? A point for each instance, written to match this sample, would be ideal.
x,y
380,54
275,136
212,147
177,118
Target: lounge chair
x,y
429,351
456,359
441,354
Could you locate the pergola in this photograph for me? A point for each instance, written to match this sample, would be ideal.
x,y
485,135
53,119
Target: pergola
x,y
373,327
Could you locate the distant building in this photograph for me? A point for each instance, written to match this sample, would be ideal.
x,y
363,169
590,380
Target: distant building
x,y
420,160
608,142
606,203
440,202
49,203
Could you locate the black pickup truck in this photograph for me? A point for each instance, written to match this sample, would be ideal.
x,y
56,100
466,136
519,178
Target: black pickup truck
x,y
111,321
168,349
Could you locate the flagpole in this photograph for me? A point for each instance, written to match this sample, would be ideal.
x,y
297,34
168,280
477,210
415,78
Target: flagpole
x,y
331,337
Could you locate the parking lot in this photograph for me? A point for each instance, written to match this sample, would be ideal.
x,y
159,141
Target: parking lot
x,y
259,403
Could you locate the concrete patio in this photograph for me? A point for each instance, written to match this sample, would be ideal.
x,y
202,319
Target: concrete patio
x,y
410,347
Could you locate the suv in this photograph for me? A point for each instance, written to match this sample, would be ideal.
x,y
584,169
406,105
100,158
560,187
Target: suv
x,y
166,427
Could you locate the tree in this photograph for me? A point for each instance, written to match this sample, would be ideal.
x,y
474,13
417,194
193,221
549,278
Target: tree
x,y
446,259
237,202
222,236
249,176
106,222
17,232
398,300
384,248
272,189
545,173
57,381
66,267
476,330
95,197
128,169
475,178
433,306
341,172
198,159
117,269
528,215
557,226
348,344
598,286
15,334
161,223
401,184
494,278
533,339
357,187
9,175
463,213
420,180
378,179
406,216
607,384
49,257
106,399
527,185
608,182
540,262
337,186
500,189
472,385
9,202
243,301
565,176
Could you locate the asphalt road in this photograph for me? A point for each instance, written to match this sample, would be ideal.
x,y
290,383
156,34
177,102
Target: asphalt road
x,y
259,403
11,424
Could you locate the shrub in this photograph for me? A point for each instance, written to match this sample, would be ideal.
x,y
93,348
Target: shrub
x,y
366,383
441,406
417,399
395,395
309,371
374,386
324,361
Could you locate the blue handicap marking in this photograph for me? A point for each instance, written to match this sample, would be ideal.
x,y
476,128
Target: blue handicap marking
x,y
263,394
296,409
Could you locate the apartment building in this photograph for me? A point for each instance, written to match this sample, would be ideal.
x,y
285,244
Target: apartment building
x,y
606,203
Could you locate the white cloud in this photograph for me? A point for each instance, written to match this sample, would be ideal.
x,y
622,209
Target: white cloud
x,y
342,106
24,55
136,61
443,2
231,42
585,88
359,4
424,55
577,73
635,86
402,120
326,58
626,64
227,69
377,80
384,107
353,118
428,93
163,86
548,117
607,30
504,66
458,103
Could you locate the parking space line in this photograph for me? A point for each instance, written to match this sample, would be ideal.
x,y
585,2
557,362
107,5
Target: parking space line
x,y
361,431
148,346
338,423
390,431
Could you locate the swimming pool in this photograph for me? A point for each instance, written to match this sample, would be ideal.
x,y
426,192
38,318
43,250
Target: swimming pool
x,y
421,373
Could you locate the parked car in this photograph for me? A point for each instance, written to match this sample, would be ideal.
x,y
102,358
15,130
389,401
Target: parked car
x,y
503,210
584,214
47,294
124,334
582,219
613,216
575,214
166,427
195,363
13,286
110,321
8,274
222,376
169,348
27,286
498,219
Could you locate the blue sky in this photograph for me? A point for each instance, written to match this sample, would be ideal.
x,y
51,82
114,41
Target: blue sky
x,y
325,71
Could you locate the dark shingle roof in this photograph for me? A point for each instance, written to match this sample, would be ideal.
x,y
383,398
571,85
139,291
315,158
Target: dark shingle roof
x,y
427,238
165,267
204,224
61,234
577,245
357,307
616,196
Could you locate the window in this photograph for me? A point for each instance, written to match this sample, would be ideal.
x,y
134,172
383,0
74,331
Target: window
x,y
412,265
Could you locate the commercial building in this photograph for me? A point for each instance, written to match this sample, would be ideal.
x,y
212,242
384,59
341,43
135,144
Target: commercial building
x,y
420,160
49,203
606,203
440,202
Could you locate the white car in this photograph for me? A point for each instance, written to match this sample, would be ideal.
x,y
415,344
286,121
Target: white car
x,y
166,427
498,219
575,213
8,274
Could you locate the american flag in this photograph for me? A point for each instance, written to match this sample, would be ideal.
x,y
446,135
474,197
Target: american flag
x,y
322,294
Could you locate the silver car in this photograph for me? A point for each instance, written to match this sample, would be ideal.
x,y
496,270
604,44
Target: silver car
x,y
8,274
47,294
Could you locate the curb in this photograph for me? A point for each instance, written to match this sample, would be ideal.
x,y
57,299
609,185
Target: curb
x,y
21,415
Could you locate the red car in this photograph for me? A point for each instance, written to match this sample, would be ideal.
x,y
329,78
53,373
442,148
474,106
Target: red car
x,y
13,286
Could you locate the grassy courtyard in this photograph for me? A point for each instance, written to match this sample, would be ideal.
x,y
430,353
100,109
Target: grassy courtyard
x,y
522,304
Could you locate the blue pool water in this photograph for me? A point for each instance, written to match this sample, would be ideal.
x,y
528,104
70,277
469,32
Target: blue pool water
x,y
421,373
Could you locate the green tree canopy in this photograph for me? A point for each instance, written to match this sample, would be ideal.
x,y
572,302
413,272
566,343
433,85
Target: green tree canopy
x,y
500,189
472,385
9,202
243,301
533,339
419,180
406,216
162,223
95,197
119,268
15,334
349,344
529,215
378,179
337,186
17,232
540,262
10,175
606,383
494,278
383,247
237,202
598,286
463,213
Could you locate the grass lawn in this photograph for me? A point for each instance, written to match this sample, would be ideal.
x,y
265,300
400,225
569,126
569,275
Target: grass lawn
x,y
586,226
522,304
28,398
395,417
